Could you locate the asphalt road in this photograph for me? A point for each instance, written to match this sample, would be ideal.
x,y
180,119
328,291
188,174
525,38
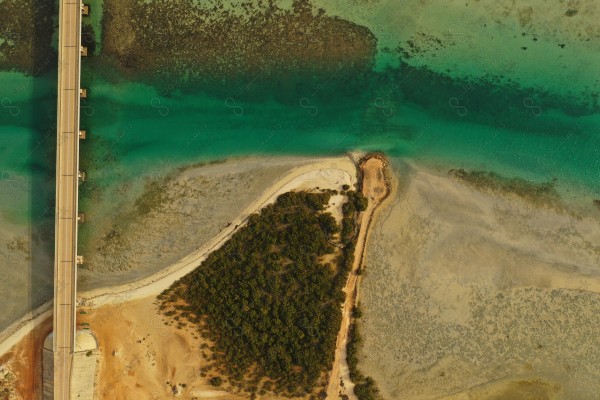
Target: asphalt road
x,y
67,167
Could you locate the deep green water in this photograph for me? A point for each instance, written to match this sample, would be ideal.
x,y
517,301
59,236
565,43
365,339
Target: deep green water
x,y
27,146
134,130
139,131
502,110
520,116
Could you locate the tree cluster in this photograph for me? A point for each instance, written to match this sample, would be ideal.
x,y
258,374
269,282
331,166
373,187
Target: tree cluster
x,y
265,298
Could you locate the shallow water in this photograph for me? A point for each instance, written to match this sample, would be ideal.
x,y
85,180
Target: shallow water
x,y
468,95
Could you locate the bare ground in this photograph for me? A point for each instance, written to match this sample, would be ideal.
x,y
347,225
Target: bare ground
x,y
141,357
21,367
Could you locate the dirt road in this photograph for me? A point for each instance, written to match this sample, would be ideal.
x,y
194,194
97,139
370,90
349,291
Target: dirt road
x,y
376,188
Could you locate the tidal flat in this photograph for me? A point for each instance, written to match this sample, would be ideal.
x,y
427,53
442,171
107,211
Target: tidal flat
x,y
468,288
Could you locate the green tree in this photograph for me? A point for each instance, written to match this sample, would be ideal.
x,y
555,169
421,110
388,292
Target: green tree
x,y
266,300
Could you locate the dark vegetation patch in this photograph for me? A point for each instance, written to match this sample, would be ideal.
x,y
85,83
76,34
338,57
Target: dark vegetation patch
x,y
256,43
268,301
88,38
26,28
571,12
542,193
486,100
421,43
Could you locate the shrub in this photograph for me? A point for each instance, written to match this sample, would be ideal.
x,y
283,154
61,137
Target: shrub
x,y
216,381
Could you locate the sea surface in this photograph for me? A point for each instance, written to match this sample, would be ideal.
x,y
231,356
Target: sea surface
x,y
511,89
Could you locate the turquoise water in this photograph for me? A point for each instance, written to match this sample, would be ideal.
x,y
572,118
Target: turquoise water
x,y
27,153
144,132
480,101
471,96
27,145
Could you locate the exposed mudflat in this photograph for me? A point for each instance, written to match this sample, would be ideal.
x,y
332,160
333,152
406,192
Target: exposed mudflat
x,y
480,295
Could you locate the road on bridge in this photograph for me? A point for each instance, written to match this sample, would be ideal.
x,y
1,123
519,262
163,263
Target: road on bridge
x,y
67,170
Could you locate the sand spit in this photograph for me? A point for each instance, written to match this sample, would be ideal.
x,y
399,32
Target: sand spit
x,y
324,173
165,360
307,173
464,288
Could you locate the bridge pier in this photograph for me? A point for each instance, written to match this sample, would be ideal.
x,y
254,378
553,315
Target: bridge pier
x,y
83,369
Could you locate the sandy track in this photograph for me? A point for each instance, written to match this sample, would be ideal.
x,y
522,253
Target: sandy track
x,y
376,189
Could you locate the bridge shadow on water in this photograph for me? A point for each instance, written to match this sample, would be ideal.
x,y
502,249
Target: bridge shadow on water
x,y
41,163
32,271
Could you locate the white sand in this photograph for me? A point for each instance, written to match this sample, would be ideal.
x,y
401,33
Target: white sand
x,y
463,288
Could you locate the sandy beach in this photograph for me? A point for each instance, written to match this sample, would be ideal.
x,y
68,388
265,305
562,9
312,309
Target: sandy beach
x,y
474,294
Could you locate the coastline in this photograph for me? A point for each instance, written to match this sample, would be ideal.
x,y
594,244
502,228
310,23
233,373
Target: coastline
x,y
416,197
301,177
310,173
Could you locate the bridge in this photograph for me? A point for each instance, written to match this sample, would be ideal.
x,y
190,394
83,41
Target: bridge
x,y
67,182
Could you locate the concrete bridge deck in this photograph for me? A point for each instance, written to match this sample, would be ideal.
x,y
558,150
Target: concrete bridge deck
x,y
67,181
